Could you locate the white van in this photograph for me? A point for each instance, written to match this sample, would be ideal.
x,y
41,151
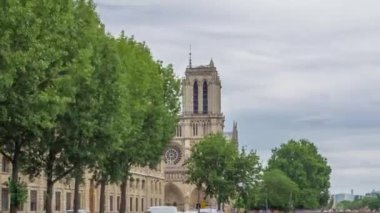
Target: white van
x,y
79,211
162,209
210,211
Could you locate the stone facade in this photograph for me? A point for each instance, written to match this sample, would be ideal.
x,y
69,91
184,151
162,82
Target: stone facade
x,y
146,189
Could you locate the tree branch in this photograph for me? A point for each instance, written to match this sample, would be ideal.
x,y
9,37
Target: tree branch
x,y
63,174
6,155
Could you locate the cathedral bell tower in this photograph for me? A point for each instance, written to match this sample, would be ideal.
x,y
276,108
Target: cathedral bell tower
x,y
201,115
201,101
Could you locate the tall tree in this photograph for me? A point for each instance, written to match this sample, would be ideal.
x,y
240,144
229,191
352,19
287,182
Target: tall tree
x,y
210,165
302,163
82,120
154,107
51,153
40,55
247,175
278,190
113,119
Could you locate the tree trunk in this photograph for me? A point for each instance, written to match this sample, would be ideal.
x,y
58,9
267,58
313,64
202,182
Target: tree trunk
x,y
76,192
49,195
92,196
218,205
198,200
15,168
102,199
123,201
49,183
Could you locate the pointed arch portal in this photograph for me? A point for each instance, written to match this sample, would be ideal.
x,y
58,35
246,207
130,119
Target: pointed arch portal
x,y
174,196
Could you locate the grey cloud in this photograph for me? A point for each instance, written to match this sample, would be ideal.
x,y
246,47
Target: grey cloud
x,y
289,69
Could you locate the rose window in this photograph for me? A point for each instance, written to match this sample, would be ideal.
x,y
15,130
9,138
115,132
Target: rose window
x,y
172,155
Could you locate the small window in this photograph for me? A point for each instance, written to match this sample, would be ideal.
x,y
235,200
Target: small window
x,y
143,184
195,97
137,204
142,204
179,131
205,128
118,203
5,199
33,200
5,164
130,204
44,200
68,201
111,203
58,201
137,183
194,129
205,98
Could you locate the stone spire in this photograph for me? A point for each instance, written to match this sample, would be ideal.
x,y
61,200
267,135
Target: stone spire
x,y
211,63
190,57
235,135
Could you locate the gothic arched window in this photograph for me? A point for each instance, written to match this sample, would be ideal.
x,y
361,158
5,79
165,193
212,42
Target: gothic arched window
x,y
205,98
195,97
179,131
194,125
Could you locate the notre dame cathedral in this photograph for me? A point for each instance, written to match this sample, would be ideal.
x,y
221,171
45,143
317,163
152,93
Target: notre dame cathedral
x,y
201,115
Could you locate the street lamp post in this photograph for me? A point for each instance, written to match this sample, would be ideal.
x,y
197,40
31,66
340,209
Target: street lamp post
x,y
266,201
290,202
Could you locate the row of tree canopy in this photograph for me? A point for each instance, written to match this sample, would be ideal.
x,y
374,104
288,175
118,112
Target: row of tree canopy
x,y
371,202
296,177
74,98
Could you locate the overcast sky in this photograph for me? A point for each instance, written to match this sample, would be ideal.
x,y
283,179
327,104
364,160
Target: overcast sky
x,y
289,69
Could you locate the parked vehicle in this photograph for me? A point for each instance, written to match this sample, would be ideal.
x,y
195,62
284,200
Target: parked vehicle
x,y
162,209
209,210
79,211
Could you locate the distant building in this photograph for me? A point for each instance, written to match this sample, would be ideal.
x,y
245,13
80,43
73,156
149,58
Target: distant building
x,y
337,198
374,193
343,196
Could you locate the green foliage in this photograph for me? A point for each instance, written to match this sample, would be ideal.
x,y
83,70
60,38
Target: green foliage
x,y
112,118
217,165
210,162
279,190
72,97
144,110
373,203
252,198
246,174
154,103
302,163
19,191
45,51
